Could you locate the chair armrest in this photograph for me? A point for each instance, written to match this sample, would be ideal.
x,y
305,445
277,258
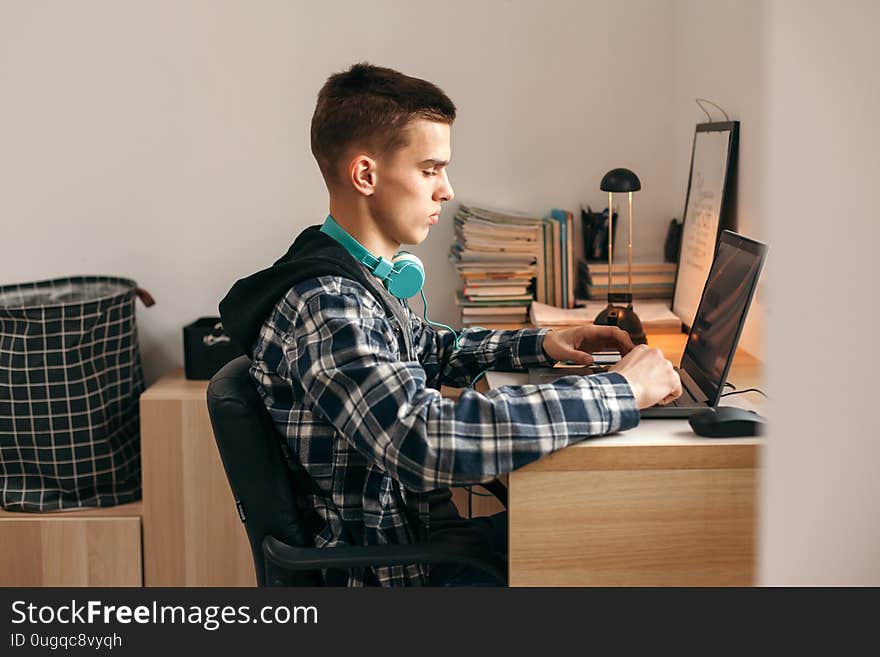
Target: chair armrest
x,y
293,558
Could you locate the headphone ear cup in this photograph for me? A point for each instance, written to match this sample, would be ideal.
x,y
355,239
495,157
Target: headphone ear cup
x,y
407,278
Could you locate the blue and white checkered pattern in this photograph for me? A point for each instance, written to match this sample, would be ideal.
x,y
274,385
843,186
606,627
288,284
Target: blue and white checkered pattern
x,y
371,429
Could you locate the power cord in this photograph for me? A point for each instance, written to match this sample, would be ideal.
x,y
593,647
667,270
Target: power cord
x,y
739,392
425,311
481,494
477,378
470,490
471,493
454,332
700,102
425,316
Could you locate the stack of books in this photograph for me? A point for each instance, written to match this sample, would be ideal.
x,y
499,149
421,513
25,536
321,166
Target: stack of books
x,y
496,254
650,280
496,312
555,282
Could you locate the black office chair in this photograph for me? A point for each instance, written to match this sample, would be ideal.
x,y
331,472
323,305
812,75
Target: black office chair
x,y
264,492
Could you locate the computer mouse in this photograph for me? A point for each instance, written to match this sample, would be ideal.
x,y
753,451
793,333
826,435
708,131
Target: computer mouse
x,y
727,422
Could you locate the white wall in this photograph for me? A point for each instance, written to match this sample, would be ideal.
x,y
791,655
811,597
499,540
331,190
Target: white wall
x,y
719,54
168,141
821,478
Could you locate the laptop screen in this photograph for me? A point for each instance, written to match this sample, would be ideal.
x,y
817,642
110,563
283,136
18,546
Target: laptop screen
x,y
721,314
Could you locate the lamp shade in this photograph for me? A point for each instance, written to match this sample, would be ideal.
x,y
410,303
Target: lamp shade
x,y
620,180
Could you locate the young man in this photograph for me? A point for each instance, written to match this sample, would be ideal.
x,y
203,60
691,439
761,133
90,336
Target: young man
x,y
351,377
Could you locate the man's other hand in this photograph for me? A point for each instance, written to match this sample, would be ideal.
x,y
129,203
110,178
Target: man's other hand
x,y
577,343
652,378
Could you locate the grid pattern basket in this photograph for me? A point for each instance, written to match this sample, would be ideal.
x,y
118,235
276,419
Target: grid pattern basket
x,y
70,380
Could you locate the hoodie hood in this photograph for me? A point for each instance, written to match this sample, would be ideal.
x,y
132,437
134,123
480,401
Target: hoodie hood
x,y
313,254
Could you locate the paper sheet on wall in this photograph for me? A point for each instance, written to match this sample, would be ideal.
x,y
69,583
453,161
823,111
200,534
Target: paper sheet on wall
x,y
700,230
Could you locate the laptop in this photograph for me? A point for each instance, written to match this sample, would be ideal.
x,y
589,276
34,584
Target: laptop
x,y
714,335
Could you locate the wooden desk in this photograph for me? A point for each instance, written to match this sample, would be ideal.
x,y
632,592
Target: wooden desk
x,y
654,506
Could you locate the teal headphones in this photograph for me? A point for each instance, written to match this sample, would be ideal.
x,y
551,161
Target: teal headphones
x,y
403,278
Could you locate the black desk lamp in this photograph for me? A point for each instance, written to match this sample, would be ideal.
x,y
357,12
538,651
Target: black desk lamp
x,y
621,180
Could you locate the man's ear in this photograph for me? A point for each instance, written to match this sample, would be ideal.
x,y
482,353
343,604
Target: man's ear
x,y
362,174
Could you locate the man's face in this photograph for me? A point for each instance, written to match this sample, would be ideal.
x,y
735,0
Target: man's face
x,y
411,183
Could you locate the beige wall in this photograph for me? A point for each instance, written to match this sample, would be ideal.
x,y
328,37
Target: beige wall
x,y
168,141
821,481
720,55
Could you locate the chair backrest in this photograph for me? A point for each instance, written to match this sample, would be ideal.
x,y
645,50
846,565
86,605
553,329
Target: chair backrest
x,y
250,448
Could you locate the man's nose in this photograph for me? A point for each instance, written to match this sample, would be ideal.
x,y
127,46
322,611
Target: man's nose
x,y
445,193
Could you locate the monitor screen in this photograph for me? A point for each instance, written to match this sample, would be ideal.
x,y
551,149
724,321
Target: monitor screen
x,y
721,314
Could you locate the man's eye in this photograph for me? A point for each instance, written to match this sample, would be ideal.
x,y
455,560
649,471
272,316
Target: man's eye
x,y
430,173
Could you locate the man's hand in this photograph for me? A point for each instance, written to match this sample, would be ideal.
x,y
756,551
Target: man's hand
x,y
576,343
652,378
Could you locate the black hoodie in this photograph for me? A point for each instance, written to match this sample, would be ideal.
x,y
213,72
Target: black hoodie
x,y
251,300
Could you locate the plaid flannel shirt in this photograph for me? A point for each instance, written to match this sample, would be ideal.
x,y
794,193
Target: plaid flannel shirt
x,y
370,428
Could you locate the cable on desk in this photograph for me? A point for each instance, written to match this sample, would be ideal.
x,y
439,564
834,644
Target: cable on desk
x,y
739,392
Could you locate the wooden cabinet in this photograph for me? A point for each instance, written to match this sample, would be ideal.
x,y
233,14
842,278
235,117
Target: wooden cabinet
x,y
192,533
91,547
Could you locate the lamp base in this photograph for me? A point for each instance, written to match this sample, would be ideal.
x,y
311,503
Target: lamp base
x,y
623,317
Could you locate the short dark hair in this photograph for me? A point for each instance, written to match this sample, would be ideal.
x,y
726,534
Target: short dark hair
x,y
371,106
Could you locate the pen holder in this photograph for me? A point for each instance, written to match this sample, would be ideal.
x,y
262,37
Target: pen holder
x,y
594,227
